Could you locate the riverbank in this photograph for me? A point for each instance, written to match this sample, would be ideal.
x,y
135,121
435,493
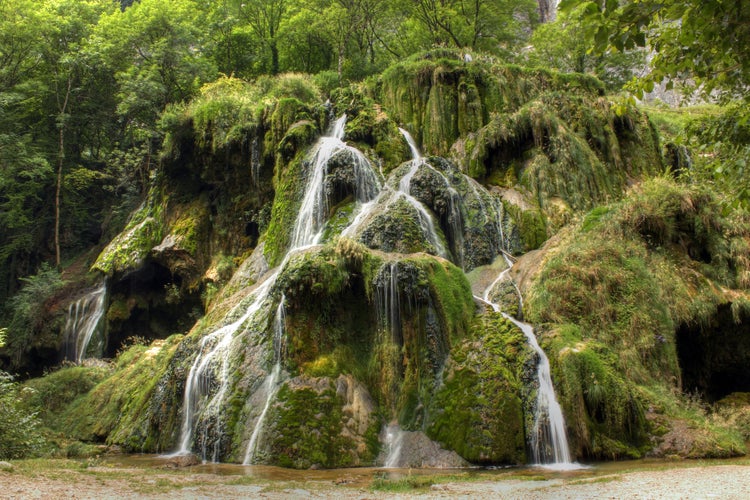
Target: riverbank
x,y
141,477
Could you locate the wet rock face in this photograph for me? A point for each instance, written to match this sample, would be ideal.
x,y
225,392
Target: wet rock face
x,y
397,229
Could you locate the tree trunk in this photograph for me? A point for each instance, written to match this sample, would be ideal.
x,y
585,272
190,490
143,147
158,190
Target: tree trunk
x,y
60,161
274,58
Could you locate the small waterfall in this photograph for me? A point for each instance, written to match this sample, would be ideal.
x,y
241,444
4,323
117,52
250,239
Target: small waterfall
x,y
203,375
394,440
494,218
313,211
208,380
84,320
415,154
548,440
404,191
271,384
389,312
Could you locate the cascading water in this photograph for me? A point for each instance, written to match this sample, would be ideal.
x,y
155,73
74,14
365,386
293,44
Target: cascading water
x,y
271,384
548,440
314,209
202,403
214,349
394,440
84,320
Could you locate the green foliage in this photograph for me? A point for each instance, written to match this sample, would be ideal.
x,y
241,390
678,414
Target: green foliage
x,y
721,145
627,277
20,433
563,45
606,409
681,33
56,390
23,311
119,408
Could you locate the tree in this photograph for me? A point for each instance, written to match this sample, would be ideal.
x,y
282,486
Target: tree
x,y
489,25
702,45
156,52
265,18
563,45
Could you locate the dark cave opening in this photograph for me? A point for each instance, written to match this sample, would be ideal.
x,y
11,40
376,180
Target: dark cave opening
x,y
150,303
715,356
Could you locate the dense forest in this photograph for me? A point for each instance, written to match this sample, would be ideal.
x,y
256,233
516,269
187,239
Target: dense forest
x,y
154,156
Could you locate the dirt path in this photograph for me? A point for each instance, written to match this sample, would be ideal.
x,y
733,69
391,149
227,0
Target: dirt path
x,y
67,479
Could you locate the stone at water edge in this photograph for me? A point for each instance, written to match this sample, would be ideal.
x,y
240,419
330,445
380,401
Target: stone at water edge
x,y
179,461
419,451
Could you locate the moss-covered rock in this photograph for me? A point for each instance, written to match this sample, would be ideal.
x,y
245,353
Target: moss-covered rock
x,y
313,424
478,410
119,409
618,292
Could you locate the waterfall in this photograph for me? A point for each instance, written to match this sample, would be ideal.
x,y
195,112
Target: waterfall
x,y
404,191
394,440
271,385
214,348
389,312
313,212
211,366
548,440
84,320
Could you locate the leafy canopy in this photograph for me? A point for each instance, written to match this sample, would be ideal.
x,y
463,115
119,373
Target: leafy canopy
x,y
702,45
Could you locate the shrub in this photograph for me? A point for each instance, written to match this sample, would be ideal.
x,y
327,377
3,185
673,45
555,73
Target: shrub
x,y
20,434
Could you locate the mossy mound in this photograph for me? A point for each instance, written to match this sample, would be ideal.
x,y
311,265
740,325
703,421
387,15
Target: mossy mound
x,y
634,278
119,409
576,148
441,97
478,409
322,423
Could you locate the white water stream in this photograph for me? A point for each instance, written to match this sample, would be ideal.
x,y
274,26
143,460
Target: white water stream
x,y
202,401
394,441
548,440
84,320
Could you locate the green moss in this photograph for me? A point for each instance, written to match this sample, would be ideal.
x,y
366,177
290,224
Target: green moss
x,y
478,411
132,245
628,276
441,98
398,229
191,225
117,410
306,429
603,407
452,295
58,389
284,211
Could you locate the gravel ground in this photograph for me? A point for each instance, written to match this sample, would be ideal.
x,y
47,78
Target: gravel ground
x,y
716,481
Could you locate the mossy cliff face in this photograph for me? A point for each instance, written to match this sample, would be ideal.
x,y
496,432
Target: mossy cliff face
x,y
308,356
441,97
211,201
551,140
629,300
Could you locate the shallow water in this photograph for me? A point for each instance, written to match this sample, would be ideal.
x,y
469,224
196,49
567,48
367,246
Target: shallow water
x,y
363,476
